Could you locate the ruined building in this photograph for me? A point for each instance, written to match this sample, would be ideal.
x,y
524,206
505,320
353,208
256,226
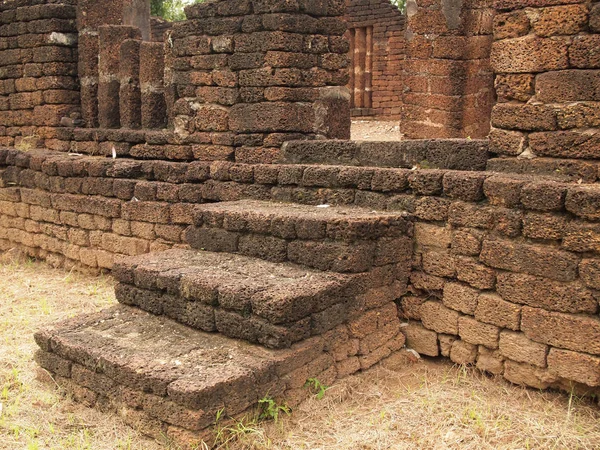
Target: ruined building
x,y
255,246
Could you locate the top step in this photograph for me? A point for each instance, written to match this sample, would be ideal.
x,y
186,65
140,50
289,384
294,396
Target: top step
x,y
452,154
335,238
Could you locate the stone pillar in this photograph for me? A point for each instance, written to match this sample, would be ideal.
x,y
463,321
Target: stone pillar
x,y
448,83
129,78
152,68
109,85
547,77
91,14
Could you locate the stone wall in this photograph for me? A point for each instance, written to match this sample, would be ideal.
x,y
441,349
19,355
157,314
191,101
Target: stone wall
x,y
377,58
38,69
547,66
247,76
448,79
506,265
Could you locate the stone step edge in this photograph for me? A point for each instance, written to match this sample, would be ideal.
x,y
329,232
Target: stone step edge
x,y
300,221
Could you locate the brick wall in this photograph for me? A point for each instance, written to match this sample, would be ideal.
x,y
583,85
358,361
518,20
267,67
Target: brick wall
x,y
547,66
38,69
388,54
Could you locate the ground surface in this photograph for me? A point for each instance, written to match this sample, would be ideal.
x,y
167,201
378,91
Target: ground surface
x,y
375,130
426,405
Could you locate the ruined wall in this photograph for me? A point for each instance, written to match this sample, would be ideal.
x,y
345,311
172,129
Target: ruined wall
x,y
233,82
247,76
547,63
377,52
38,69
506,277
448,79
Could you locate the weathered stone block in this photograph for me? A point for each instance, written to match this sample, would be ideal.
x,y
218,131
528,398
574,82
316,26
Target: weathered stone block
x,y
420,339
544,293
528,375
529,54
560,20
437,317
571,332
578,367
461,298
584,201
534,260
463,352
490,361
517,347
494,310
478,333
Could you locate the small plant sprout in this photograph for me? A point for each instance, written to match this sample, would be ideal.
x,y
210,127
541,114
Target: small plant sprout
x,y
318,387
270,410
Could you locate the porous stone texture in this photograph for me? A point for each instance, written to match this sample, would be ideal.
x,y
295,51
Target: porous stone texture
x,y
546,63
448,80
172,380
440,154
360,247
38,69
246,298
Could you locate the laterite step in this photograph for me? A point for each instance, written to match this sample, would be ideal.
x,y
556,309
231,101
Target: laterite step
x,y
169,379
453,154
330,238
242,297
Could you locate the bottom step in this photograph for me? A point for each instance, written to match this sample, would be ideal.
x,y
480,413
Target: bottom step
x,y
167,379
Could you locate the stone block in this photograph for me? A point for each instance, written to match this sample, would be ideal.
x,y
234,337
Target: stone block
x,y
568,86
467,241
544,196
572,332
589,271
271,117
540,292
560,20
478,333
474,273
463,352
429,235
435,316
531,259
528,375
517,347
490,361
492,309
460,297
529,54
574,366
584,201
544,226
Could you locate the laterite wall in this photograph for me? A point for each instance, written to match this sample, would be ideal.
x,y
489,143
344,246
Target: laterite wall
x,y
38,69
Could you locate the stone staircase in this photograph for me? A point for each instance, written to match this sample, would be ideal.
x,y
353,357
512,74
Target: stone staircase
x,y
269,295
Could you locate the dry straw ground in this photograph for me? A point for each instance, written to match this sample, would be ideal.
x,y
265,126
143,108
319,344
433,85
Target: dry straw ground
x,y
428,405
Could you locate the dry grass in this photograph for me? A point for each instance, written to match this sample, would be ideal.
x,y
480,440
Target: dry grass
x,y
429,405
33,414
